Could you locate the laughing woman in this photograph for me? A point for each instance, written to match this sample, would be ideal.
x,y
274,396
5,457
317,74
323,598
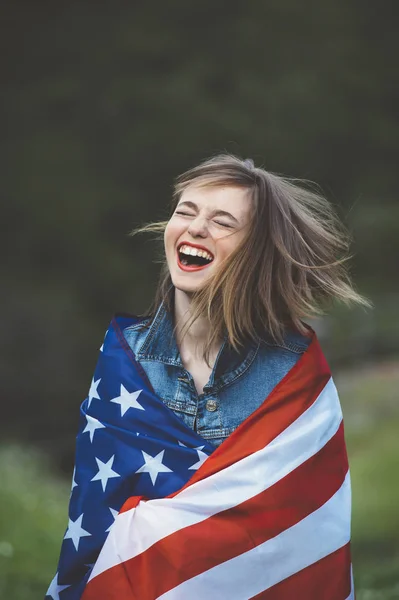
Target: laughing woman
x,y
211,461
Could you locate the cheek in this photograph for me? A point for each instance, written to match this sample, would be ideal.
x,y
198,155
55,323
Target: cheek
x,y
168,236
226,247
231,243
171,235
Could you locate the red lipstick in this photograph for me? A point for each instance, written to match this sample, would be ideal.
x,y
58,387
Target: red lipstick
x,y
192,268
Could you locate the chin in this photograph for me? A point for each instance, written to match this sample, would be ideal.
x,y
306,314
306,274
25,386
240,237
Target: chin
x,y
187,289
185,286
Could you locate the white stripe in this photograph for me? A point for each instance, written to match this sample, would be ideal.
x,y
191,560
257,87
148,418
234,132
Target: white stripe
x,y
352,594
322,532
137,529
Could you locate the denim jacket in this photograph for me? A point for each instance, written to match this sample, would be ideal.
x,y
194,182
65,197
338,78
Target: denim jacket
x,y
238,384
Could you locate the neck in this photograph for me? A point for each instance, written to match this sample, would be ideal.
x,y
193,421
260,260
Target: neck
x,y
194,339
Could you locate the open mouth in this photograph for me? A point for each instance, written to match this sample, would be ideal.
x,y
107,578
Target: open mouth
x,y
191,258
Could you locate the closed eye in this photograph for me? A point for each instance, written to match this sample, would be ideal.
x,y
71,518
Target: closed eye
x,y
186,214
223,224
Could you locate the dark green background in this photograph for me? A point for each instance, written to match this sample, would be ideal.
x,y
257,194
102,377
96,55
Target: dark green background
x,y
104,103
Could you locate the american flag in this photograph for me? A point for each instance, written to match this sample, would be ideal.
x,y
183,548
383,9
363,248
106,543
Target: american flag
x,y
156,512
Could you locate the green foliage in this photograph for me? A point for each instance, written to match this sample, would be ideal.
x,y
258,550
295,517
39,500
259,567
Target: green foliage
x,y
371,411
33,510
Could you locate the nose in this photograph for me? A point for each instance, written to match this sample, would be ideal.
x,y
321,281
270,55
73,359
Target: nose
x,y
198,227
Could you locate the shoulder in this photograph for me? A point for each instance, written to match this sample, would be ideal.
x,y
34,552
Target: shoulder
x,y
293,340
136,334
275,359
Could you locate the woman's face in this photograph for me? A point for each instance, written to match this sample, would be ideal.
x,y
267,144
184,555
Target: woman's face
x,y
207,226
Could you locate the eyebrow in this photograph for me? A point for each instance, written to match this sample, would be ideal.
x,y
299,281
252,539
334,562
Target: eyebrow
x,y
220,213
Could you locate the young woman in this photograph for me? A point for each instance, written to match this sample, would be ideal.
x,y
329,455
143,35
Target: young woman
x,y
213,424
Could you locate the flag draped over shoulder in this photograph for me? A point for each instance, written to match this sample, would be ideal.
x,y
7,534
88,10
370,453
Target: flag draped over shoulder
x,y
157,512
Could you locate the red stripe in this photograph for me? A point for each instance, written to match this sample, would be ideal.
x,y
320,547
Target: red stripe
x,y
327,579
195,549
287,401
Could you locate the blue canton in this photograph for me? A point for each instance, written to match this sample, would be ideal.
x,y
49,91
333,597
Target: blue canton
x,y
129,444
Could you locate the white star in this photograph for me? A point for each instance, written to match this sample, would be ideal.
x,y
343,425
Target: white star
x,y
74,484
105,472
75,531
153,465
93,393
92,425
55,589
102,345
114,513
201,459
127,400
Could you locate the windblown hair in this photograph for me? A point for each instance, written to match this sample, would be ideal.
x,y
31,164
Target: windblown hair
x,y
291,264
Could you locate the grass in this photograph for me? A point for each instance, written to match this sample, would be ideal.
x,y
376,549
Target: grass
x,y
370,404
33,502
33,517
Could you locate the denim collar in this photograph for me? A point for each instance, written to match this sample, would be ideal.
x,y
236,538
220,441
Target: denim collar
x,y
160,345
160,342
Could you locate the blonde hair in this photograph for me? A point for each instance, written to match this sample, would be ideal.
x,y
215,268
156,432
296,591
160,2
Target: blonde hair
x,y
290,265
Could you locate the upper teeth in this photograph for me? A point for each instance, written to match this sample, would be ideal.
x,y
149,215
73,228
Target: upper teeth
x,y
189,250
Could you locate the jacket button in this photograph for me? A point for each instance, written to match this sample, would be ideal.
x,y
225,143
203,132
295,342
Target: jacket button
x,y
211,405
